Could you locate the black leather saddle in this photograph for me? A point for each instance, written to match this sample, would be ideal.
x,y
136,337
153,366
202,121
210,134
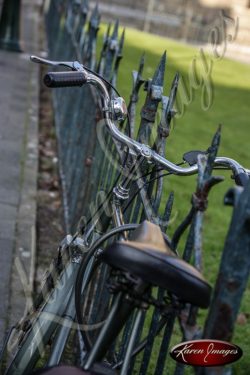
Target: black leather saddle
x,y
148,256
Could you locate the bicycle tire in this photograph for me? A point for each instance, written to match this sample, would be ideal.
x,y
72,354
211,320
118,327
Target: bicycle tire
x,y
81,316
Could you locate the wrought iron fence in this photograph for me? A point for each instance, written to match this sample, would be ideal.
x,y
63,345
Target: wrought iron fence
x,y
87,171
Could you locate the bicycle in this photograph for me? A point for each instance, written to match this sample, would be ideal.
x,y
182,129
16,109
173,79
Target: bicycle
x,y
68,287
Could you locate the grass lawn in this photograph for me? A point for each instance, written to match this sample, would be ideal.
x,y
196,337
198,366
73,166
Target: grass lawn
x,y
193,129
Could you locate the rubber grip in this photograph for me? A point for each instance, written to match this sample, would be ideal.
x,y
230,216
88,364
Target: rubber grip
x,y
241,179
64,79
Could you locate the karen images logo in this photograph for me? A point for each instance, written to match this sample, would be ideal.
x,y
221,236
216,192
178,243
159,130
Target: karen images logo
x,y
206,353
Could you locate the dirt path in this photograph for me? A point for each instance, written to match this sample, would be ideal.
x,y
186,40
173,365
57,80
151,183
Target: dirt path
x,y
50,227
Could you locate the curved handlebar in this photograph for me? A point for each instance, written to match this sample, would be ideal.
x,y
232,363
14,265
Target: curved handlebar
x,y
241,175
150,154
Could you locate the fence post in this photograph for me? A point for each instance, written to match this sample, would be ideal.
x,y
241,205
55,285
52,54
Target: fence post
x,y
233,274
10,25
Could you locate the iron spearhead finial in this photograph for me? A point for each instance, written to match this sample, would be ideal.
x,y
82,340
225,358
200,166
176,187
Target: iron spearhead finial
x,y
158,78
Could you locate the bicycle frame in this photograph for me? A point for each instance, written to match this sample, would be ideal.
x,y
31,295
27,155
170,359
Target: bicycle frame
x,y
58,312
46,323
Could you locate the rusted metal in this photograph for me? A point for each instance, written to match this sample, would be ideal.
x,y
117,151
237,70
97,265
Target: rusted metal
x,y
168,113
232,277
154,90
205,181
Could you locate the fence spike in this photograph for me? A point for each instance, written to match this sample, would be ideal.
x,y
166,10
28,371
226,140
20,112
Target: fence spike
x,y
118,58
95,13
212,151
169,114
111,52
163,129
108,30
137,83
100,65
121,43
154,89
107,35
160,147
95,17
82,20
89,53
115,30
141,64
137,75
158,78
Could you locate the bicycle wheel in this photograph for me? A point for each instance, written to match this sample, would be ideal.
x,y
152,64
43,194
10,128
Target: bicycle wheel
x,y
94,303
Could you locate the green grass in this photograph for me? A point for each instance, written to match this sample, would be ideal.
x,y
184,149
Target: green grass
x,y
230,106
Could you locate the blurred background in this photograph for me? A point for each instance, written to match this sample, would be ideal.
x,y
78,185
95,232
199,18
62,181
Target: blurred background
x,y
187,20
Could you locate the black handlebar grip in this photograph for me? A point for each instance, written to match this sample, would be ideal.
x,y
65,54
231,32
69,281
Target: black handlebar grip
x,y
241,179
64,79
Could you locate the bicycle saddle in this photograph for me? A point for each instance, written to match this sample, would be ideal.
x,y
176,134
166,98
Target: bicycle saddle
x,y
148,256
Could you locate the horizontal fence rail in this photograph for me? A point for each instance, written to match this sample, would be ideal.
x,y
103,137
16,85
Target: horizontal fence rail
x,y
88,173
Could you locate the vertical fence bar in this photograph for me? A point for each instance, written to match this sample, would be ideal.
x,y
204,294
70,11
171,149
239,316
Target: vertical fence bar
x,y
205,181
233,275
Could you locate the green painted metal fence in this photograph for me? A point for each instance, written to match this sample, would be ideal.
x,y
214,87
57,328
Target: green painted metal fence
x,y
88,171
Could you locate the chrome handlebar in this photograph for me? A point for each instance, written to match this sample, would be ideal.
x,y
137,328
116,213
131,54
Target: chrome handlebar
x,y
145,150
137,147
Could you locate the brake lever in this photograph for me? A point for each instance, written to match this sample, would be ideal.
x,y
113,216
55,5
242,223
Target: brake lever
x,y
74,65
